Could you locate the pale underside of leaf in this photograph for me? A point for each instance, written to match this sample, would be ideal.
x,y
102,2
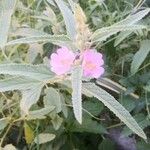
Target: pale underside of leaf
x,y
68,18
30,97
6,10
27,32
38,72
104,33
76,79
3,123
147,88
17,83
114,86
128,24
44,138
39,114
140,56
61,40
52,98
122,36
115,107
134,18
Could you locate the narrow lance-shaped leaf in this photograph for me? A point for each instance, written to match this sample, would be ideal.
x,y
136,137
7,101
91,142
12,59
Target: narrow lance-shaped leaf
x,y
68,18
17,83
72,4
140,56
51,2
6,10
115,107
133,18
76,79
114,86
60,40
38,72
104,33
123,35
27,32
128,24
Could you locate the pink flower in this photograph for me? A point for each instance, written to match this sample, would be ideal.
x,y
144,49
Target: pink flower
x,y
92,63
62,60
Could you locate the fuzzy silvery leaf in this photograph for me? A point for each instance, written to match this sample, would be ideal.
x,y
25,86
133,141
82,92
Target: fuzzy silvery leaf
x,y
76,79
30,97
140,56
128,24
110,102
52,98
38,72
17,83
6,10
44,138
68,18
60,40
39,114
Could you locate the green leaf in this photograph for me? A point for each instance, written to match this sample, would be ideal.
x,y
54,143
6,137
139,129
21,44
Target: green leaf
x,y
28,32
147,87
6,10
38,72
68,18
121,37
29,133
64,107
128,24
105,32
56,121
60,40
134,18
50,16
30,97
76,79
106,145
44,138
51,2
92,106
88,125
39,114
3,123
33,52
140,56
115,107
52,98
17,83
143,146
128,103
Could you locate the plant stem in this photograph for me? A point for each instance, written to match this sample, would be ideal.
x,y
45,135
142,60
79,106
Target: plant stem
x,y
116,125
4,136
147,105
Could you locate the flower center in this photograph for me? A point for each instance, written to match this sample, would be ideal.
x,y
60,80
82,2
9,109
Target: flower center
x,y
65,62
90,66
